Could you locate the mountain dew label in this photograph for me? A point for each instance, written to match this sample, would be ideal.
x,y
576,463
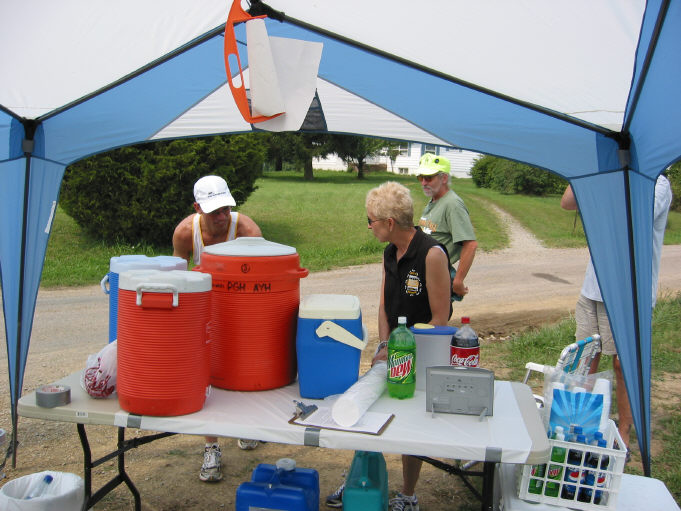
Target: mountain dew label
x,y
401,367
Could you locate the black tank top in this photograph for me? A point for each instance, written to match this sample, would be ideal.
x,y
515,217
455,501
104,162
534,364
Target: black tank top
x,y
405,292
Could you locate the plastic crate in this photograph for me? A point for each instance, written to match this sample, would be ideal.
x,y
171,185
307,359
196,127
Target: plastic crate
x,y
601,496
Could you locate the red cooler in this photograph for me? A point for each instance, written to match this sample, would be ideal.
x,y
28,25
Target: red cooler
x,y
256,293
162,351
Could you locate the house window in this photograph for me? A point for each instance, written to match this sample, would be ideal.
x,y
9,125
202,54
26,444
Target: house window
x,y
429,148
403,170
403,148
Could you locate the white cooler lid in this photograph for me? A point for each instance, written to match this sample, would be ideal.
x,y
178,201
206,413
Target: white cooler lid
x,y
254,246
119,264
183,281
323,306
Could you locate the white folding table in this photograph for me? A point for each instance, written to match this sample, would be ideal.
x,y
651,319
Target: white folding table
x,y
514,434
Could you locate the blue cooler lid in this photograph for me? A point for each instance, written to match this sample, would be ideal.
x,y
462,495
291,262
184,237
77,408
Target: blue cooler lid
x,y
425,329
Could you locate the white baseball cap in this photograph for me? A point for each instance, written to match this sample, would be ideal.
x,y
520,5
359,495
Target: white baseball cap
x,y
212,192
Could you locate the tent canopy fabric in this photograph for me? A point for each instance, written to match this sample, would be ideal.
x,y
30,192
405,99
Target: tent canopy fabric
x,y
588,90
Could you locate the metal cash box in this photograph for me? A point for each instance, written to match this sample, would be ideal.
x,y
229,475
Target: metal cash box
x,y
463,390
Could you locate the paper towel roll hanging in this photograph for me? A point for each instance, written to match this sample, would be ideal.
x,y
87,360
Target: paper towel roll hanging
x,y
354,402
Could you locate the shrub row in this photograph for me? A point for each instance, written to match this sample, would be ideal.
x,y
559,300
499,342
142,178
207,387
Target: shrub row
x,y
138,194
510,177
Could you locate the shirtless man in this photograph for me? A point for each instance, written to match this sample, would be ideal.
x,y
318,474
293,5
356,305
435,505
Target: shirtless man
x,y
214,222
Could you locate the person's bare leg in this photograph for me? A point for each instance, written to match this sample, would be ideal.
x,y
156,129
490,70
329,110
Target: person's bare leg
x,y
411,469
623,407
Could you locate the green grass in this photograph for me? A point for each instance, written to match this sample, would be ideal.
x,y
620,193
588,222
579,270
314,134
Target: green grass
x,y
325,221
544,346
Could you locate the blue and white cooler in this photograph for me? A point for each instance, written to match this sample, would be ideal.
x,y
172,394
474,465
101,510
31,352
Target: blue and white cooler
x,y
329,342
118,265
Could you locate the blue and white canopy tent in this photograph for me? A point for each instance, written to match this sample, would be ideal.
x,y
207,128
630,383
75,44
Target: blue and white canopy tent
x,y
588,90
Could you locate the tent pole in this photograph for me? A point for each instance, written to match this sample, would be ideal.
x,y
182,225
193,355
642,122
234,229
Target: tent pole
x,y
642,435
27,146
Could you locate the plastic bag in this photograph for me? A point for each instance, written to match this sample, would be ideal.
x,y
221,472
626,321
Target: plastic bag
x,y
99,376
582,400
65,493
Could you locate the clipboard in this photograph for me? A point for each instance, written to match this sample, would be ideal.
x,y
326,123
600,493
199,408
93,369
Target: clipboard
x,y
372,423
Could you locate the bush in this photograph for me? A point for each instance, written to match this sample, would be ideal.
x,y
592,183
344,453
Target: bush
x,y
674,175
511,177
138,194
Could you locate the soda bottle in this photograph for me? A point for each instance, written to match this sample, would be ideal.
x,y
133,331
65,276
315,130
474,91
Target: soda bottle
x,y
601,476
401,361
555,471
586,491
465,348
537,479
573,472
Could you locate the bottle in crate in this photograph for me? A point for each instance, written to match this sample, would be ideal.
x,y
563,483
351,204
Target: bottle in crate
x,y
587,489
601,476
573,470
537,479
555,470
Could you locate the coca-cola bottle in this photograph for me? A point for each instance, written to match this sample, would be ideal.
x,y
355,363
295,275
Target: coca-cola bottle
x,y
465,348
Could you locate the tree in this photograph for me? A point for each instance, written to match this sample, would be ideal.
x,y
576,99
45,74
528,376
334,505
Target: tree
x,y
139,193
355,149
300,148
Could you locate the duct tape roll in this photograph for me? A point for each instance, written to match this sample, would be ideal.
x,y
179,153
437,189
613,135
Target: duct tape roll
x,y
49,396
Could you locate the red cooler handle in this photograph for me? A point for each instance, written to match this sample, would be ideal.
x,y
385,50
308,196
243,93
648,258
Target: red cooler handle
x,y
238,15
157,296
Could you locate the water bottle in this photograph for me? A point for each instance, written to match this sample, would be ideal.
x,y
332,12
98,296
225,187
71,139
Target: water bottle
x,y
401,361
40,488
465,347
555,471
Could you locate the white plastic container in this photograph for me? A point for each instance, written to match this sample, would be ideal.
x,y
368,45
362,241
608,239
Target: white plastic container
x,y
615,450
65,493
432,349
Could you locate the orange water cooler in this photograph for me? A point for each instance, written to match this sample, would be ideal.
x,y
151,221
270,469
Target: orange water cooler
x,y
163,367
255,298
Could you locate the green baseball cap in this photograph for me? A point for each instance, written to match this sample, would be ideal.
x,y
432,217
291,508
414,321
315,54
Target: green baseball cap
x,y
431,164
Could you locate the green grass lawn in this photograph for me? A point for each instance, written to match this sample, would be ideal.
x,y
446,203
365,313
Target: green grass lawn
x,y
325,221
544,346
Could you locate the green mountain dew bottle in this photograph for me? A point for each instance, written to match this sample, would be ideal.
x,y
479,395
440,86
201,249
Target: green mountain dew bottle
x,y
401,361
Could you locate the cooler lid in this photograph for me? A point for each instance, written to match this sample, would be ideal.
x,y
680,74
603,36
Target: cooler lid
x,y
250,246
323,306
183,281
119,264
425,329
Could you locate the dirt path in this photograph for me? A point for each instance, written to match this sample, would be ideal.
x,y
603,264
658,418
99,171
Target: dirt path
x,y
525,285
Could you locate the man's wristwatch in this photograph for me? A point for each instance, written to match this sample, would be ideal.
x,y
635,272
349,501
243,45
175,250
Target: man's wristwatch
x,y
380,346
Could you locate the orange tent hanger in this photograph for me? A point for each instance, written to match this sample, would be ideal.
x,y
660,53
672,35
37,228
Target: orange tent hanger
x,y
238,15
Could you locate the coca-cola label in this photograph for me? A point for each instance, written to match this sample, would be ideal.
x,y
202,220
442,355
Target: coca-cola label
x,y
465,357
401,367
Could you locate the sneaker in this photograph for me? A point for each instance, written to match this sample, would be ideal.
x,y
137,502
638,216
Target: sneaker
x,y
336,498
404,503
246,445
211,470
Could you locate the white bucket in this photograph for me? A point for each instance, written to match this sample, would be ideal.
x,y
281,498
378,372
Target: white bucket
x,y
432,349
65,493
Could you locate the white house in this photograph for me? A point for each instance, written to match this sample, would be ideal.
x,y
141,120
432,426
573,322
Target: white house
x,y
407,162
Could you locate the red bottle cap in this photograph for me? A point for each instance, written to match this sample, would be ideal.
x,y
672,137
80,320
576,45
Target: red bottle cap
x,y
465,319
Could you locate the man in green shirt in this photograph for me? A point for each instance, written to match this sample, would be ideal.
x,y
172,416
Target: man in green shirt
x,y
446,218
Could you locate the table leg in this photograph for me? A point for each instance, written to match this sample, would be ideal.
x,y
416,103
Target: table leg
x,y
122,476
